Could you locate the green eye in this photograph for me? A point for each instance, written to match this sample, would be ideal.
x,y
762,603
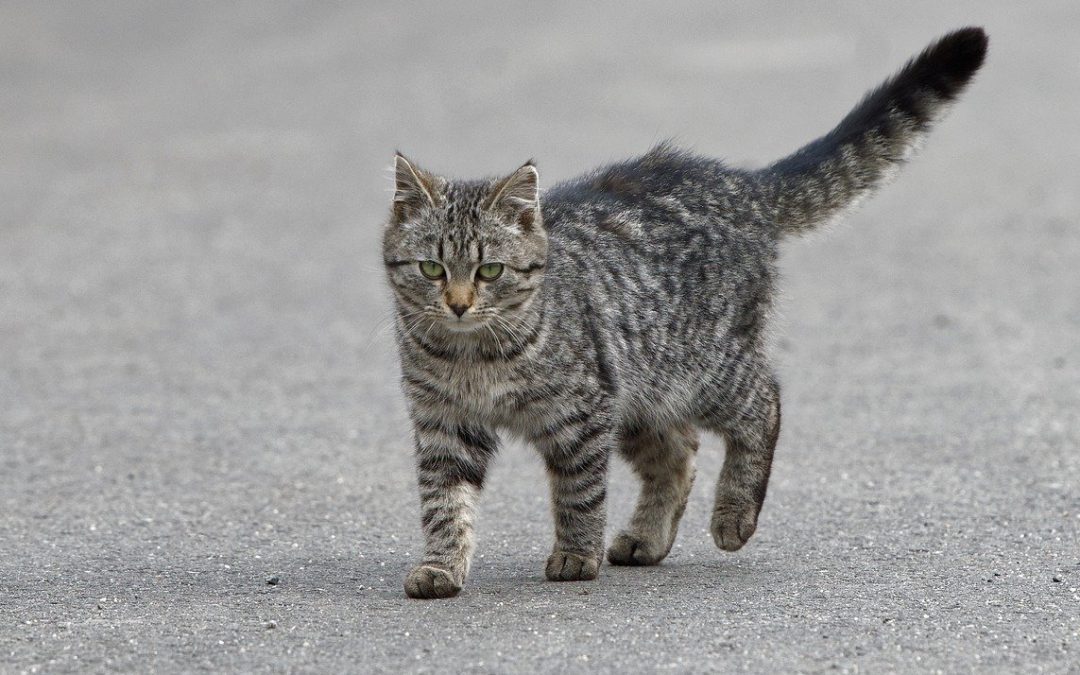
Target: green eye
x,y
432,269
490,271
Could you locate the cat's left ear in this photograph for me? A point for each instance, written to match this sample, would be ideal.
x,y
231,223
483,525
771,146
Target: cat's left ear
x,y
518,197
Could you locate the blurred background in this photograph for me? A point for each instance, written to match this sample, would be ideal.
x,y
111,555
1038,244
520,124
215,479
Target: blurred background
x,y
198,379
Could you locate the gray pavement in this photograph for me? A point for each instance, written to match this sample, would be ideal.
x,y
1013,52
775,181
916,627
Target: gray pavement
x,y
197,379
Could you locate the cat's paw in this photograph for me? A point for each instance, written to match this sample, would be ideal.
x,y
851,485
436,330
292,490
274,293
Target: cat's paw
x,y
733,525
634,549
564,566
426,581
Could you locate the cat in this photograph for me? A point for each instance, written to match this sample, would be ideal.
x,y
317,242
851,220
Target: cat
x,y
625,310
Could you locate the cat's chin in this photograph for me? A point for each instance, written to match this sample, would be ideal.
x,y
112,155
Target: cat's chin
x,y
462,327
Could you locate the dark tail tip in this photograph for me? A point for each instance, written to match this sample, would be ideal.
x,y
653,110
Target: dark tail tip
x,y
948,64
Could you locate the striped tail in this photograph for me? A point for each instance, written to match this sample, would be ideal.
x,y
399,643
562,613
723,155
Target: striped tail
x,y
819,181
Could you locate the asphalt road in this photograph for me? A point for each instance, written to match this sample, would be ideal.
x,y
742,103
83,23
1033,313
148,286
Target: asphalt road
x,y
197,380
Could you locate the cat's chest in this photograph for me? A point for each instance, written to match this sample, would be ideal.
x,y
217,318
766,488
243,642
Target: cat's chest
x,y
482,390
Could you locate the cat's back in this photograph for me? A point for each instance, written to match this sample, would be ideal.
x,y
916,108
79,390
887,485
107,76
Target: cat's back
x,y
666,197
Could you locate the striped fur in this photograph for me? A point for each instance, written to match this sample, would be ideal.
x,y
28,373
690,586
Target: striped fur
x,y
629,312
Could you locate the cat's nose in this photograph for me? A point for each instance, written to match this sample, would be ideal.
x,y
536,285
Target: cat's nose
x,y
458,309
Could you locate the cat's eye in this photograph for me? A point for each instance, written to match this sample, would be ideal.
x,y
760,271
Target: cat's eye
x,y
432,270
490,271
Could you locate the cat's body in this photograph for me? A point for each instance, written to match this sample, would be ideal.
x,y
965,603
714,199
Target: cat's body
x,y
627,317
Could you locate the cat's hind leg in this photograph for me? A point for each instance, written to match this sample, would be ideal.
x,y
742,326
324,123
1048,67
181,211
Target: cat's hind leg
x,y
745,409
664,461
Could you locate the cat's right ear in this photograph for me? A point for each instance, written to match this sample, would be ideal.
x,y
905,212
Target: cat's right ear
x,y
414,189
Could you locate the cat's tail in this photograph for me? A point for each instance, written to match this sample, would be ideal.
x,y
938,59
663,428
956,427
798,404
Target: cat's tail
x,y
819,181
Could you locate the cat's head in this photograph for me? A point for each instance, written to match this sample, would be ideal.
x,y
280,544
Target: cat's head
x,y
464,254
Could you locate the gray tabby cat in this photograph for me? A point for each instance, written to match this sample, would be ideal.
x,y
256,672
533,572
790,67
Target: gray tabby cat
x,y
626,314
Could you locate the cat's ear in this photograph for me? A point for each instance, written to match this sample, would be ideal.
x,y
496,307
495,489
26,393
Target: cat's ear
x,y
414,189
518,197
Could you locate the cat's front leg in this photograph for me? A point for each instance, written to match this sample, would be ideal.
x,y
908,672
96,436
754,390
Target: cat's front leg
x,y
575,445
451,460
